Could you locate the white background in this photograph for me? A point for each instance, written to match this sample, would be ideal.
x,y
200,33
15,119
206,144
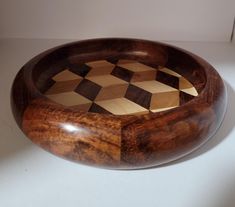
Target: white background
x,y
31,177
184,20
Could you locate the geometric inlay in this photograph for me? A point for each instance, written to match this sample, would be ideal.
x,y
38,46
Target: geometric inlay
x,y
120,87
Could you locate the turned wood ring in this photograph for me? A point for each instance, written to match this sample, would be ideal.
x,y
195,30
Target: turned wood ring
x,y
118,103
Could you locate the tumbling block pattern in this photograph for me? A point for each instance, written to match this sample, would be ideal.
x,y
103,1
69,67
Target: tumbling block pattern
x,y
162,95
111,87
71,99
122,106
101,67
65,81
120,87
133,71
139,71
187,87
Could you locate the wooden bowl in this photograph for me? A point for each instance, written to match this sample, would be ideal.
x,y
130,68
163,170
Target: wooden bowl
x,y
118,103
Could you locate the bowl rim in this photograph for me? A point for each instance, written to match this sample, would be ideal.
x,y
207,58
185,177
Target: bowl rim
x,y
207,68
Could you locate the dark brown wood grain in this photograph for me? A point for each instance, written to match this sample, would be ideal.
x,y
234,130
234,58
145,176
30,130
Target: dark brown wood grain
x,y
115,141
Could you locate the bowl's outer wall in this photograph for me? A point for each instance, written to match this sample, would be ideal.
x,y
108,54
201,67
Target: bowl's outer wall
x,y
120,142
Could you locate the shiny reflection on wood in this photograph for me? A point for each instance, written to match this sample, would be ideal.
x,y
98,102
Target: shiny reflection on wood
x,y
118,103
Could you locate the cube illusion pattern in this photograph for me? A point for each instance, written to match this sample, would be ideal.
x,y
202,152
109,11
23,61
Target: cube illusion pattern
x,y
120,87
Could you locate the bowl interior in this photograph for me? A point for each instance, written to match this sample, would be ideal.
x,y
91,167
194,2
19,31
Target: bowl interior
x,y
119,77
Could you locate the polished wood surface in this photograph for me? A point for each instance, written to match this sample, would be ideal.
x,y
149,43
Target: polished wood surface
x,y
118,103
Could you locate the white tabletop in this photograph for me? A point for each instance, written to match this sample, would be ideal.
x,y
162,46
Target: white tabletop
x,y
30,176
